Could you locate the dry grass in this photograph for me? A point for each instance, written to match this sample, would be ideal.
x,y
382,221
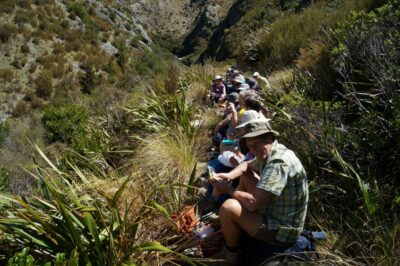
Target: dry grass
x,y
170,156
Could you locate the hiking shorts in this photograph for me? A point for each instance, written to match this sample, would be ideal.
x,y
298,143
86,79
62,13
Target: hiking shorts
x,y
269,236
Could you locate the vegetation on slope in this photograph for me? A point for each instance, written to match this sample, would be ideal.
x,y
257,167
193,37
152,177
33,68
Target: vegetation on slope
x,y
123,160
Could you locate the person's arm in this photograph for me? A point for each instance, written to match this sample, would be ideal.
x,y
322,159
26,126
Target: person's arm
x,y
223,122
252,202
235,117
223,91
240,170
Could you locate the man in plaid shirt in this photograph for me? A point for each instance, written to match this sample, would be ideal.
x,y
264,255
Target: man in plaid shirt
x,y
270,203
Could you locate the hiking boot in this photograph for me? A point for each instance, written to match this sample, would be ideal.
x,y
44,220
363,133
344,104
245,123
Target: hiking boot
x,y
225,258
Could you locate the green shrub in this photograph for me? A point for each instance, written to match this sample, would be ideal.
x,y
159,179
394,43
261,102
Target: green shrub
x,y
44,84
366,57
88,81
281,44
32,67
6,74
4,131
23,16
153,62
63,123
24,4
25,48
4,179
20,109
19,62
6,31
65,24
7,6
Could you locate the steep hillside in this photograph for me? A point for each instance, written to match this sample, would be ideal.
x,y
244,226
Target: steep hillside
x,y
63,47
185,26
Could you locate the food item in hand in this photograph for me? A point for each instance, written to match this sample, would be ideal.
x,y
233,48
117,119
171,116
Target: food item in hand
x,y
211,175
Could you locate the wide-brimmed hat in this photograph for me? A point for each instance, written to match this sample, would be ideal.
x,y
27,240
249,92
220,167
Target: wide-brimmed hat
x,y
257,128
238,80
256,74
217,77
251,116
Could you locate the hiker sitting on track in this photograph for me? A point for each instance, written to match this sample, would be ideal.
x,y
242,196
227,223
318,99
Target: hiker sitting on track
x,y
270,203
217,91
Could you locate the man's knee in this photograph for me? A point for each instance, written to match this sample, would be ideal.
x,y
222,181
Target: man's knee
x,y
230,207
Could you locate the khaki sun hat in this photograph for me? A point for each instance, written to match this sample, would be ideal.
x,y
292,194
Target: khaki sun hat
x,y
257,128
238,80
251,116
217,77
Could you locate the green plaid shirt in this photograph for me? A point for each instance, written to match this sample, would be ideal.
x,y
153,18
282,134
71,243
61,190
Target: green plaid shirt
x,y
283,175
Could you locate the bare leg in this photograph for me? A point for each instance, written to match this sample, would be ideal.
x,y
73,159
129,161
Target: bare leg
x,y
234,219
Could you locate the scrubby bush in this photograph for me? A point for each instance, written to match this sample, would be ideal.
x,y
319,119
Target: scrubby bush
x,y
44,85
153,62
281,44
32,67
88,80
24,3
20,109
19,62
23,16
65,24
6,31
4,131
63,123
4,179
6,74
25,48
7,6
367,58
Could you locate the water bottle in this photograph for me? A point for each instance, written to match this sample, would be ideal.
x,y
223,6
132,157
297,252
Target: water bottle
x,y
205,231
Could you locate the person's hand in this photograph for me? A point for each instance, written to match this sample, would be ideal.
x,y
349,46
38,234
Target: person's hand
x,y
222,176
230,107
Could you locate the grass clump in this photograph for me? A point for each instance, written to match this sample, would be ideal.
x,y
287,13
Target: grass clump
x,y
44,85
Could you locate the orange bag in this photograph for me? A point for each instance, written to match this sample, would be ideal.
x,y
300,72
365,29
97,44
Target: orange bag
x,y
186,220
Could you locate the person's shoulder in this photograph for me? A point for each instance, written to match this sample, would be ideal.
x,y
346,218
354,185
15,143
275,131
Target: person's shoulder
x,y
280,151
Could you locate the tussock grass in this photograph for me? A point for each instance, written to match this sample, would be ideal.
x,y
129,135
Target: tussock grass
x,y
170,155
196,82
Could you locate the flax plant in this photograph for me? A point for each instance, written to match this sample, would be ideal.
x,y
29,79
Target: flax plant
x,y
71,222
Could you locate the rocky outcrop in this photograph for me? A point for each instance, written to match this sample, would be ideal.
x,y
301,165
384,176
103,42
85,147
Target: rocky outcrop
x,y
186,26
216,47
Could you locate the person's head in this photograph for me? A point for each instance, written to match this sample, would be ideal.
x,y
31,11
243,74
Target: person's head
x,y
252,103
256,75
233,98
242,98
217,79
236,82
258,137
260,145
